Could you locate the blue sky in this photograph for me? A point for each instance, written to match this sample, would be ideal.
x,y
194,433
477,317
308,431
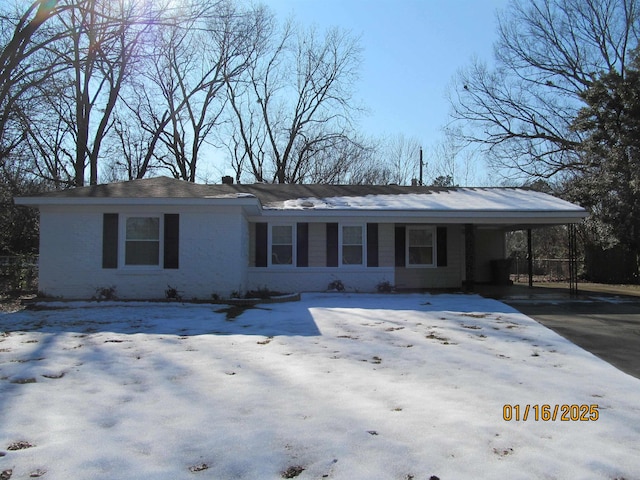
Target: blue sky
x,y
412,50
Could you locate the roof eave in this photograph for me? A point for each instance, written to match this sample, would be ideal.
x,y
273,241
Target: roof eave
x,y
253,207
42,201
503,217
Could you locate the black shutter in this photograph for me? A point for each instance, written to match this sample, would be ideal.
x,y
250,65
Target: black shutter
x,y
171,240
110,240
332,244
261,244
372,244
401,239
302,245
441,237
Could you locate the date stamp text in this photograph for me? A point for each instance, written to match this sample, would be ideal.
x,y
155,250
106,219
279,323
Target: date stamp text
x,y
550,413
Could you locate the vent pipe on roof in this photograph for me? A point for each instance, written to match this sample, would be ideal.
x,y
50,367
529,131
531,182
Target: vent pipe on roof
x,y
227,180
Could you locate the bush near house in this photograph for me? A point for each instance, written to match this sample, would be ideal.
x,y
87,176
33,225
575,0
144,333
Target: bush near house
x,y
18,274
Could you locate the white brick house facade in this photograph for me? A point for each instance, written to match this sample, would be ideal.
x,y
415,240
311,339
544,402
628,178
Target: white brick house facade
x,y
144,236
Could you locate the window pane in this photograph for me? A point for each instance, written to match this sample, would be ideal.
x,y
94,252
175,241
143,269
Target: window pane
x,y
282,235
143,228
420,237
420,246
142,253
281,255
352,235
420,255
352,255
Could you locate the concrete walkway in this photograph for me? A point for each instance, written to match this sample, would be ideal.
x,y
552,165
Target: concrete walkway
x,y
605,323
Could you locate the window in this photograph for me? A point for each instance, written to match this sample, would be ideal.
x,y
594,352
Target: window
x,y
352,245
142,241
282,245
420,251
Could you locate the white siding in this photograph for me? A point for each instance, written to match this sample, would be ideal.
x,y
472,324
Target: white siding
x,y
252,244
317,276
70,253
317,244
490,245
216,254
386,245
214,246
437,277
312,279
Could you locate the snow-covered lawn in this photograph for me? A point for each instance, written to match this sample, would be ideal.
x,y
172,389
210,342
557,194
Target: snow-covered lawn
x,y
342,386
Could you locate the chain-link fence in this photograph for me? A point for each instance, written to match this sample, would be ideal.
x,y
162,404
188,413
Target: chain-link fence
x,y
544,269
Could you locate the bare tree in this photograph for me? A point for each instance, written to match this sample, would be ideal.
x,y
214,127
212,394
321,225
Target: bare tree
x,y
450,161
548,53
401,156
298,96
180,94
346,161
70,78
106,40
24,36
127,150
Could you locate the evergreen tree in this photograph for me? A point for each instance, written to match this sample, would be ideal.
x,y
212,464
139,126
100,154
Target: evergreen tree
x,y
609,183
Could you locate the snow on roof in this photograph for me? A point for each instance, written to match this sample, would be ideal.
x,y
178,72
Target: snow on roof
x,y
466,199
330,199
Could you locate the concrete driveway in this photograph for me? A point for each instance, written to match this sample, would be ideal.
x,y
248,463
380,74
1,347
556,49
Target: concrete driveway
x,y
606,325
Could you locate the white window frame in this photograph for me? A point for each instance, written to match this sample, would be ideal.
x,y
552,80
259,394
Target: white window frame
x,y
294,246
341,245
434,242
123,241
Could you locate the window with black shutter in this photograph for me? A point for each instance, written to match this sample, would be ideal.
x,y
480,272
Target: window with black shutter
x,y
441,249
332,244
261,244
372,245
400,246
302,245
171,240
110,240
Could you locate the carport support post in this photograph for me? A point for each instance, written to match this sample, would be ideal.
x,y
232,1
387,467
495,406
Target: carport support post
x,y
573,260
529,258
470,256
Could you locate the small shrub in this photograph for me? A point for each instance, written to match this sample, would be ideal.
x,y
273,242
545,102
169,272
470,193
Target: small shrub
x,y
336,285
385,287
215,297
19,274
106,293
262,293
172,293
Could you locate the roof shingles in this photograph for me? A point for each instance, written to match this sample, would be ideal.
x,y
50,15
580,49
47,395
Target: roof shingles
x,y
329,197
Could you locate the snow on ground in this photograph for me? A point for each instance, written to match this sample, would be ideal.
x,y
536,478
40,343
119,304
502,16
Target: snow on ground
x,y
344,386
